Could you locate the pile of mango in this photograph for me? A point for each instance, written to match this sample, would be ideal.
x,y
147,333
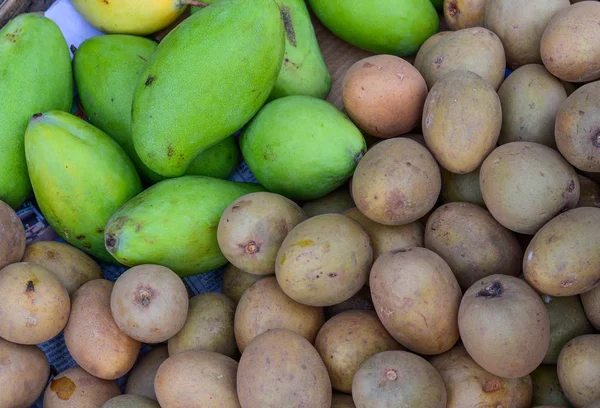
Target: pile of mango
x,y
421,229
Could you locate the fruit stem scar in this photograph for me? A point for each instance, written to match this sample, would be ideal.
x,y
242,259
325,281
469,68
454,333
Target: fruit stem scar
x,y
30,287
110,241
493,290
391,375
252,247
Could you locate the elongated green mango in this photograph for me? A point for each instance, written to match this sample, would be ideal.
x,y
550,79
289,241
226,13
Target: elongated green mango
x,y
80,177
303,71
106,70
174,224
35,76
207,78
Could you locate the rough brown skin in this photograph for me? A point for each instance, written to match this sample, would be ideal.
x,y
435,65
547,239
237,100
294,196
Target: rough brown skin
x,y
471,49
398,379
468,385
347,340
130,401
337,201
24,373
571,33
579,370
360,301
397,182
426,46
590,192
520,25
567,321
384,95
324,260
461,14
197,378
530,99
504,326
416,297
525,184
281,368
472,242
92,327
461,121
577,128
141,377
236,281
264,306
591,305
385,238
35,305
70,265
209,326
340,400
149,303
563,259
461,188
546,387
12,236
76,388
253,227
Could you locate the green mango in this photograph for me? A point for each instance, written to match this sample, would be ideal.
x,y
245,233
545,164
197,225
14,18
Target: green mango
x,y
174,224
217,161
438,4
303,71
80,177
35,76
396,27
302,147
207,79
106,70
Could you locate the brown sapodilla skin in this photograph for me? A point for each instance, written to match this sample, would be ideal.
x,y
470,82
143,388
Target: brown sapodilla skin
x,y
426,46
416,297
590,192
264,306
236,281
591,305
23,374
12,236
468,385
280,368
140,380
461,14
579,370
76,388
569,45
92,327
563,259
472,242
520,25
495,315
577,128
384,95
396,182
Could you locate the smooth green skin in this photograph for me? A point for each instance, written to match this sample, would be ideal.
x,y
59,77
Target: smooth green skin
x,y
80,177
302,147
174,224
546,387
567,321
217,161
35,76
303,71
106,70
207,78
397,27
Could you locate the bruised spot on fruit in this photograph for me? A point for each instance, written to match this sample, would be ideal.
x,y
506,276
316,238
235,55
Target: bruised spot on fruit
x,y
150,80
332,275
492,291
438,61
30,287
288,25
80,237
64,387
358,156
100,230
170,150
143,296
368,65
240,205
105,2
36,117
453,9
491,385
571,186
110,242
252,247
87,245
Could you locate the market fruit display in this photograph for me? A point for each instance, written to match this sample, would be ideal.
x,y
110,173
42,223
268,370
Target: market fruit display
x,y
300,204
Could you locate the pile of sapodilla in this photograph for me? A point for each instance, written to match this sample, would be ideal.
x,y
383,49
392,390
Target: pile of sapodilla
x,y
396,301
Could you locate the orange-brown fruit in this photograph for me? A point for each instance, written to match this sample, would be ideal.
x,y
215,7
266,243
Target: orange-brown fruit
x,y
579,370
76,388
426,46
461,14
140,380
590,192
12,236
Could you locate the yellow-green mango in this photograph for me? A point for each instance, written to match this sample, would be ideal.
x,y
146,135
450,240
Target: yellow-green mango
x,y
303,71
207,78
302,147
80,177
106,70
174,224
35,76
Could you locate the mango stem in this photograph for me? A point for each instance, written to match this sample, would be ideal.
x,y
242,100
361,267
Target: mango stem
x,y
195,3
